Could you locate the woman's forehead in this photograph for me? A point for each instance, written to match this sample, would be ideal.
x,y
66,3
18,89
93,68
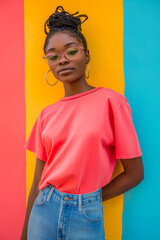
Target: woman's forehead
x,y
60,41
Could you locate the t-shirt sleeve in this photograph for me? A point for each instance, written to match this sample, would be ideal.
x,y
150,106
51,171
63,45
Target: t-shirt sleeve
x,y
126,141
35,143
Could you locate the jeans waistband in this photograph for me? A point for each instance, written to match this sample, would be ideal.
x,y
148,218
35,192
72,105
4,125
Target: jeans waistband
x,y
79,199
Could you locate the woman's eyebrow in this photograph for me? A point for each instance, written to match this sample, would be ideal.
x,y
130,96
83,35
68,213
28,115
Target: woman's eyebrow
x,y
64,46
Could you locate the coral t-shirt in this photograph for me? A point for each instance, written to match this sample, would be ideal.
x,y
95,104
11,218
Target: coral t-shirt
x,y
80,137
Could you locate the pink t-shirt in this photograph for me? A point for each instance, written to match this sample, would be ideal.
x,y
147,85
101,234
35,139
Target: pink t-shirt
x,y
80,137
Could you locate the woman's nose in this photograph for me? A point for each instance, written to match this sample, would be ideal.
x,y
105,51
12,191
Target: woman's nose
x,y
62,57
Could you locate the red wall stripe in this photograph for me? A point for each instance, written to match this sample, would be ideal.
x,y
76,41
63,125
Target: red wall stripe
x,y
12,120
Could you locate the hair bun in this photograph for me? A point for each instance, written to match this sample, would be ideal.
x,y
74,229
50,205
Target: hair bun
x,y
63,18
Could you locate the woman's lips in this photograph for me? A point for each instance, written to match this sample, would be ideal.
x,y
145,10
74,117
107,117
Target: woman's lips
x,y
66,71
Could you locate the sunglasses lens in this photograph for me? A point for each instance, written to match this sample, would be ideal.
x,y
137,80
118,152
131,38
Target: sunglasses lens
x,y
52,58
72,53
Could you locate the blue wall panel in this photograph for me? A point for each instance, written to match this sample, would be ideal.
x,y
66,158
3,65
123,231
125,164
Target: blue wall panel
x,y
141,47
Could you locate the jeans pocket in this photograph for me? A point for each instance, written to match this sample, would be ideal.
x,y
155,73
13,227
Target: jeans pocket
x,y
41,198
94,211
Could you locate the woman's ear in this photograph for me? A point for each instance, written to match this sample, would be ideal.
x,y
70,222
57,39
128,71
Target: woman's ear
x,y
87,56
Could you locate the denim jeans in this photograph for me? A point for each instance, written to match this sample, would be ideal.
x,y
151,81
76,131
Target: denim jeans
x,y
64,216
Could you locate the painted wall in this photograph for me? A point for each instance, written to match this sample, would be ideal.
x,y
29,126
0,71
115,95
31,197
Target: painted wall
x,y
12,120
141,54
123,39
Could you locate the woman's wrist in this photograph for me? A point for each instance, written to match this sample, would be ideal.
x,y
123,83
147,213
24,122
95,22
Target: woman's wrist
x,y
120,184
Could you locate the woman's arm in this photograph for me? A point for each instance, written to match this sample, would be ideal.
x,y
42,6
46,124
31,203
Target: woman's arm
x,y
32,195
133,174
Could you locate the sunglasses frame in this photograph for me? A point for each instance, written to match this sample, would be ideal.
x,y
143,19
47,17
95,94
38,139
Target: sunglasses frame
x,y
59,54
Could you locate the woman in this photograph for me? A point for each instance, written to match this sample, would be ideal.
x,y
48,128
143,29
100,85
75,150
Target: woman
x,y
76,141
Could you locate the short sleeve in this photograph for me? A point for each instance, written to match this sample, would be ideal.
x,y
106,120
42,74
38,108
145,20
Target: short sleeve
x,y
34,142
126,141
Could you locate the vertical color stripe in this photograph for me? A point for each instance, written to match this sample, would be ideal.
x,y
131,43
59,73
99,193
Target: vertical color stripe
x,y
142,74
12,120
104,34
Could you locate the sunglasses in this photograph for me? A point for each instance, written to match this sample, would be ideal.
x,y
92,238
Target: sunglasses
x,y
71,54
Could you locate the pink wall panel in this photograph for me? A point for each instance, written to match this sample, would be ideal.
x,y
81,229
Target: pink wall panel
x,y
12,120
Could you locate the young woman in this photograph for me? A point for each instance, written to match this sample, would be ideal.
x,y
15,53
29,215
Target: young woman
x,y
76,141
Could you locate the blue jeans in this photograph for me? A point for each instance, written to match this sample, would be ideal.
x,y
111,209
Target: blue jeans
x,y
64,216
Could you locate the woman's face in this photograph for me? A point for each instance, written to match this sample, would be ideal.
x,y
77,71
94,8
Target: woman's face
x,y
58,41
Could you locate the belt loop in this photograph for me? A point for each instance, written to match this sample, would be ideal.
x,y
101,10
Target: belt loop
x,y
50,193
80,202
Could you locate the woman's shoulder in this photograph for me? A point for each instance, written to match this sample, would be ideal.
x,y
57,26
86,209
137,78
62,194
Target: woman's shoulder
x,y
113,97
48,109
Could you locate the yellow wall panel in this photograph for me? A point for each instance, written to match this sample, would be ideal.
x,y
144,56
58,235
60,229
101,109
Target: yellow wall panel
x,y
104,34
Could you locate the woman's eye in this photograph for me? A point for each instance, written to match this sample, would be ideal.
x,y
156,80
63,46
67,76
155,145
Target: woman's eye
x,y
53,57
72,52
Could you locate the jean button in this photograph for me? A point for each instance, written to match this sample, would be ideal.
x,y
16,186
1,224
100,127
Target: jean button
x,y
65,198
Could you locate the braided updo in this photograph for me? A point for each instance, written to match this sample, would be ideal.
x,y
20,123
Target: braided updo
x,y
64,21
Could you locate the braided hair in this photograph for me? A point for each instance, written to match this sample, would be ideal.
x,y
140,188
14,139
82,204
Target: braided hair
x,y
64,21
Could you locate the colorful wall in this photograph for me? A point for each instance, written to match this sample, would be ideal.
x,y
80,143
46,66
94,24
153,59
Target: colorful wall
x,y
123,39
